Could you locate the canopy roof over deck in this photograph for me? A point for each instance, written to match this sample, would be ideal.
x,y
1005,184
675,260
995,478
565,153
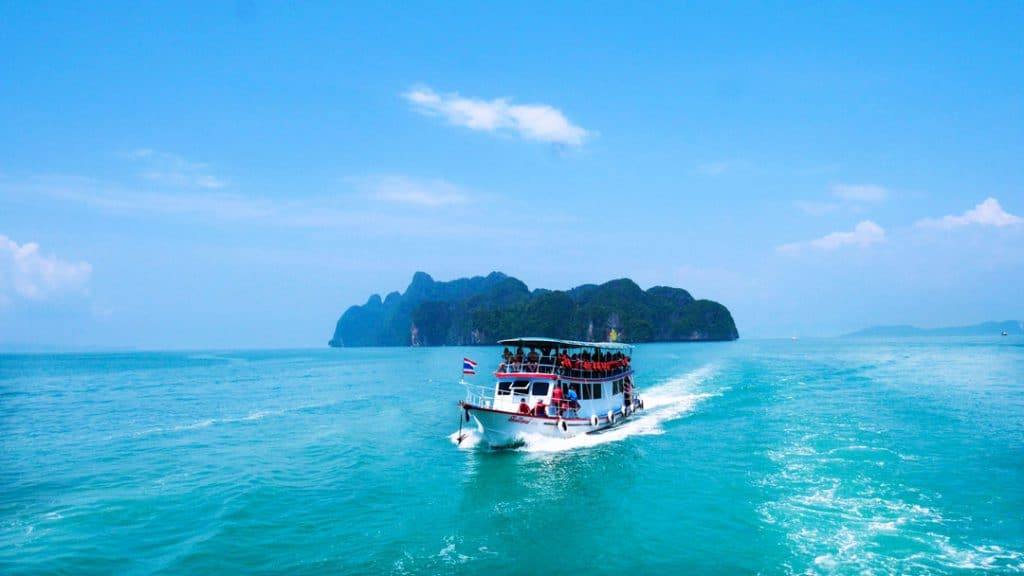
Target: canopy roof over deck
x,y
563,344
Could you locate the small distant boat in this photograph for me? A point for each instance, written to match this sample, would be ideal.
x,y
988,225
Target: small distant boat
x,y
1005,333
555,388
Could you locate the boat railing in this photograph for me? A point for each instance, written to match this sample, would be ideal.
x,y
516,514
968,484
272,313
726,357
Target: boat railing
x,y
592,374
528,367
547,368
478,395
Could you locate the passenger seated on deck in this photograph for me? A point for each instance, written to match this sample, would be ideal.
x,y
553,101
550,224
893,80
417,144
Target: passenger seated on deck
x,y
546,359
524,408
532,360
540,409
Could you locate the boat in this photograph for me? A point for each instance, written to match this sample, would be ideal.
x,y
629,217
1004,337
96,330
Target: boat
x,y
553,388
1005,333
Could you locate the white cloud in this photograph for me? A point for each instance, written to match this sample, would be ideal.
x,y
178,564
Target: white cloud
x,y
172,170
859,192
530,121
988,213
864,234
396,189
28,273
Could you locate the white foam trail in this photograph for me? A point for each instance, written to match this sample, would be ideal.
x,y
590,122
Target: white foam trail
x,y
662,403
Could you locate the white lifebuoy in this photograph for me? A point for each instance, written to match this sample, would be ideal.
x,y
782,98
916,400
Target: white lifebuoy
x,y
625,411
611,417
593,420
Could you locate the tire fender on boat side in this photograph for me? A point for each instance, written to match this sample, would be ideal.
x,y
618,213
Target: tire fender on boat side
x,y
562,425
641,403
593,420
611,417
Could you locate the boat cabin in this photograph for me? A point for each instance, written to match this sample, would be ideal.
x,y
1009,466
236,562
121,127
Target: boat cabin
x,y
570,379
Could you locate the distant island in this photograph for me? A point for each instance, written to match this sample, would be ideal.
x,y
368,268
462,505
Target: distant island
x,y
485,309
984,329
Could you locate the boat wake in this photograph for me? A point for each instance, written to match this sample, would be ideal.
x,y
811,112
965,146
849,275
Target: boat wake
x,y
664,402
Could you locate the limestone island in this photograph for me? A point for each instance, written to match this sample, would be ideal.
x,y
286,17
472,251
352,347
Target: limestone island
x,y
484,309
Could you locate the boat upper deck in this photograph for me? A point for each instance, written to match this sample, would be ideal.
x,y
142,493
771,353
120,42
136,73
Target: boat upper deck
x,y
552,358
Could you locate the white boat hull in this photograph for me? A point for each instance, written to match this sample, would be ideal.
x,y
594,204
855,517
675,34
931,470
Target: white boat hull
x,y
503,429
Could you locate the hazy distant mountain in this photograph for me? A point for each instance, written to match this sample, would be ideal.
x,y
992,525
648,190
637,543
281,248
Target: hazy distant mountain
x,y
983,329
485,309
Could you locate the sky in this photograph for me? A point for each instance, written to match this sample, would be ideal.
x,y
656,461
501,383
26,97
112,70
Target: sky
x,y
234,175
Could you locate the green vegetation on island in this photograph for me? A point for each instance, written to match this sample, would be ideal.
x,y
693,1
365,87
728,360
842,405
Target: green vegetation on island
x,y
485,309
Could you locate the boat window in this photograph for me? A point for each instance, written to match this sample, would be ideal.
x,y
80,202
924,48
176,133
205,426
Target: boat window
x,y
586,391
540,388
597,390
521,387
504,388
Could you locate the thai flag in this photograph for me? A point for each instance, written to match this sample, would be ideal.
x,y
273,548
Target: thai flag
x,y
468,366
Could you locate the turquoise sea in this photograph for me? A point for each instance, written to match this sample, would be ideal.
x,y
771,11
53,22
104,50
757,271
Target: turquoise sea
x,y
754,457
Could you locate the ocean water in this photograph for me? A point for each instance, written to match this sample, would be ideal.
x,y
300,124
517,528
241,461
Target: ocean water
x,y
758,457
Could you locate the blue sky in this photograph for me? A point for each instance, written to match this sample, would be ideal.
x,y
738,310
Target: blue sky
x,y
237,174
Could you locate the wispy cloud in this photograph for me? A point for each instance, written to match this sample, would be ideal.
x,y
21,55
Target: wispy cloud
x,y
121,199
859,192
714,168
539,122
865,233
172,170
817,208
371,205
28,273
397,189
850,198
988,213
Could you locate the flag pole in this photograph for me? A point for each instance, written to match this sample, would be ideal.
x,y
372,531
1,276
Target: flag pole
x,y
462,380
461,436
